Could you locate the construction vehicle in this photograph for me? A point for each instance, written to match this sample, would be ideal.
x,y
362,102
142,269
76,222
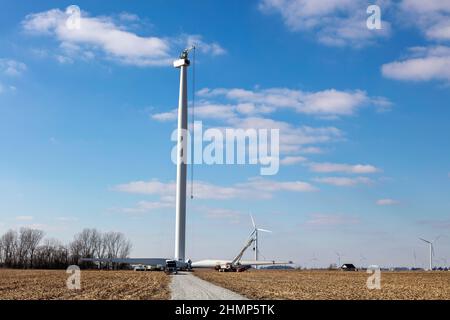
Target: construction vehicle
x,y
171,267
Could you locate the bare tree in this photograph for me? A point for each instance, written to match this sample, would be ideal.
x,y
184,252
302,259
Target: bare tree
x,y
23,249
52,255
9,244
117,246
2,258
28,240
86,242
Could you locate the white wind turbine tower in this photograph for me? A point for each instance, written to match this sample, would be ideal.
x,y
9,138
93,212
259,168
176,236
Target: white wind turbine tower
x,y
431,244
255,233
314,261
339,259
362,260
180,224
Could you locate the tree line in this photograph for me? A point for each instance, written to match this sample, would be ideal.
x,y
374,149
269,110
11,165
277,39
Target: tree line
x,y
28,249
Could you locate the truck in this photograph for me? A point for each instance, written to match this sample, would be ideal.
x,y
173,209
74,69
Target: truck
x,y
171,267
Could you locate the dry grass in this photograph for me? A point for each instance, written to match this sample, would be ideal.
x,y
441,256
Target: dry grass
x,y
95,285
324,285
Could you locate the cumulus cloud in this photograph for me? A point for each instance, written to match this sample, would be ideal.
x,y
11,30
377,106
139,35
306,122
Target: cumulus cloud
x,y
292,160
330,102
342,168
293,139
214,49
255,187
165,116
432,17
248,109
344,181
333,22
105,36
422,64
12,67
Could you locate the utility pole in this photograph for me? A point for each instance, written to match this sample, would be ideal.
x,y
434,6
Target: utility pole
x,y
180,225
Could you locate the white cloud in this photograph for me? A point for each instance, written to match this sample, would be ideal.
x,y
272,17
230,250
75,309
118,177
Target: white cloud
x,y
387,202
325,103
214,49
104,36
344,181
166,116
320,220
343,168
128,17
12,67
292,139
292,160
215,111
204,110
102,33
423,64
432,17
248,109
270,186
333,22
256,187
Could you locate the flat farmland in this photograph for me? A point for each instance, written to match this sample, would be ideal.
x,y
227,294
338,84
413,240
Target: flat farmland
x,y
332,285
95,285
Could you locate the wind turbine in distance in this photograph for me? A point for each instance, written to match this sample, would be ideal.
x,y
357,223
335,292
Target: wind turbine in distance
x,y
415,259
255,233
431,244
339,259
362,259
314,261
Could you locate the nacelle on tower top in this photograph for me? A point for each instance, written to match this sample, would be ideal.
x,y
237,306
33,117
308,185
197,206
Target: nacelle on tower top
x,y
181,63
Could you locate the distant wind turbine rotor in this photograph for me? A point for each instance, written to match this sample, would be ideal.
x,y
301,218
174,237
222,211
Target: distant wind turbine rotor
x,y
339,258
431,246
255,234
314,260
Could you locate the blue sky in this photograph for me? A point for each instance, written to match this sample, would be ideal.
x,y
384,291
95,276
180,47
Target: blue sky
x,y
363,117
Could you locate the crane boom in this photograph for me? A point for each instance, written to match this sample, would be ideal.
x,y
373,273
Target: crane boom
x,y
239,256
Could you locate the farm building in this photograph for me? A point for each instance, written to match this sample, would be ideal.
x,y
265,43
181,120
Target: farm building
x,y
348,267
